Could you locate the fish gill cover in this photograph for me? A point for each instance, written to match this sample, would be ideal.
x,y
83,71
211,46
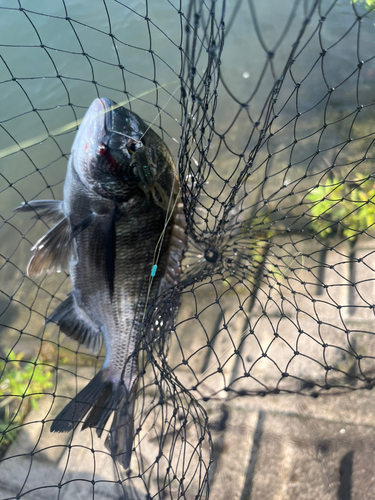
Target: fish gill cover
x,y
267,109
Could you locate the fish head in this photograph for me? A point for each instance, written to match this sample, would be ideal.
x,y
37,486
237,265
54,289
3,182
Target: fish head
x,y
103,151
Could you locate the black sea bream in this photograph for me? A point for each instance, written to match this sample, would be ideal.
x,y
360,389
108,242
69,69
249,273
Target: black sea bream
x,y
119,191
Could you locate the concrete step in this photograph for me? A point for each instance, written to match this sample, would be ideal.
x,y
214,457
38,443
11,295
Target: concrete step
x,y
266,451
77,465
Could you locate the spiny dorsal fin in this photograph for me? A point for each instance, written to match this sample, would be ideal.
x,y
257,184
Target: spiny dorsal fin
x,y
72,322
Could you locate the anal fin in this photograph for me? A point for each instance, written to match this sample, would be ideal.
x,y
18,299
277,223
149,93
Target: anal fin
x,y
71,322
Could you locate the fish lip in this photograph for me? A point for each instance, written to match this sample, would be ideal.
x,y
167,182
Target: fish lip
x,y
90,133
108,113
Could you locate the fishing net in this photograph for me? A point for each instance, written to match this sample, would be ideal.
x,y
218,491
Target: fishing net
x,y
267,108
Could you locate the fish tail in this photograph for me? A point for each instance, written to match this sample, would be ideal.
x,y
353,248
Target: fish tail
x,y
98,400
120,438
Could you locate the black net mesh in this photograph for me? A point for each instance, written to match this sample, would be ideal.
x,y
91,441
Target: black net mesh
x,y
268,111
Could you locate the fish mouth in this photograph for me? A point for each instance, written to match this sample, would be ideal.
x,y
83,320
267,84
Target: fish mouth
x,y
91,133
108,114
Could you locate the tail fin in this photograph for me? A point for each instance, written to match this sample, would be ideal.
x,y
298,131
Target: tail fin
x,y
120,438
99,399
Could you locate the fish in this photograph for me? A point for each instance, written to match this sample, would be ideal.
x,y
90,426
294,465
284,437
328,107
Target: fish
x,y
121,198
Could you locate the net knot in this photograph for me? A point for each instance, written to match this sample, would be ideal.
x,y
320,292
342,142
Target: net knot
x,y
211,255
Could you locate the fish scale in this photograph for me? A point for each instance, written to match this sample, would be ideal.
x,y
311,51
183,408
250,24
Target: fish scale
x,y
109,225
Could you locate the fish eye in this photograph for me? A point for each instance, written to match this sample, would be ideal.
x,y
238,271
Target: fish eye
x,y
131,146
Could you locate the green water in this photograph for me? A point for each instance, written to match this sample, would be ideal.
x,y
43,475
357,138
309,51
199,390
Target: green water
x,y
71,40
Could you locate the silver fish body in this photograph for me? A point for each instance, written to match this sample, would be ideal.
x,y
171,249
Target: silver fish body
x,y
114,211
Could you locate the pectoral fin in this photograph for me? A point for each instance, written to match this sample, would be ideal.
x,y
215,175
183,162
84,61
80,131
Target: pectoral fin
x,y
49,210
104,246
74,324
53,251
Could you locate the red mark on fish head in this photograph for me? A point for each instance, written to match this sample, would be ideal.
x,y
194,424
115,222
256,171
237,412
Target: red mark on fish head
x,y
86,146
115,167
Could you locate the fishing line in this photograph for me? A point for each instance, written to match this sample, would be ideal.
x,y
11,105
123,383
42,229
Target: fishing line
x,y
72,125
162,109
168,216
158,245
148,128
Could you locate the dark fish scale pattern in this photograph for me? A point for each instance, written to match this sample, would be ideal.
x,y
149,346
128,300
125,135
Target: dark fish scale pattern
x,y
112,223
